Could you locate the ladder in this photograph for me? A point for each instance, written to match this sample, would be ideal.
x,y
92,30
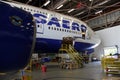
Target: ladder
x,y
74,55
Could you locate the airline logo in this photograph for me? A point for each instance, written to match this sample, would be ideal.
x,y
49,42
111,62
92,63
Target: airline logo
x,y
41,18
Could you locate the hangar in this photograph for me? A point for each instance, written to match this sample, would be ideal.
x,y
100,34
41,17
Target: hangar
x,y
102,16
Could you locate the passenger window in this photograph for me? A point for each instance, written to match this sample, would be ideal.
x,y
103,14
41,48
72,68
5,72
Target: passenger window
x,y
54,28
38,26
60,29
48,27
65,30
57,29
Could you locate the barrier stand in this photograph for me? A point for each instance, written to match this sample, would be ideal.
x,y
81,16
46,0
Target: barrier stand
x,y
43,68
113,68
26,73
110,65
106,62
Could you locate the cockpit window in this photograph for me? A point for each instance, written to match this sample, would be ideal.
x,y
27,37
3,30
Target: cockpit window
x,y
15,20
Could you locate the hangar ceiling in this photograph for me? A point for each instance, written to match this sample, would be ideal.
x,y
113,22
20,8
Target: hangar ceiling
x,y
99,14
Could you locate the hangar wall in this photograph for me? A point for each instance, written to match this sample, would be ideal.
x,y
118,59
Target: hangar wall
x,y
109,37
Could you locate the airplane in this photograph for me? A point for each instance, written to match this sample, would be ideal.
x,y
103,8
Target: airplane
x,y
17,38
52,27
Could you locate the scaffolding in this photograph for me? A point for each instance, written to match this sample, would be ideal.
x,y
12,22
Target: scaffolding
x,y
110,65
76,60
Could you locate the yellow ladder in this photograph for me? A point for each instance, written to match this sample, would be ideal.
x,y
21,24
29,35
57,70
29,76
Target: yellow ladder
x,y
69,49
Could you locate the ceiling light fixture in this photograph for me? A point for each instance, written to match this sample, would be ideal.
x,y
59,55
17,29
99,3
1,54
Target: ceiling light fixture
x,y
103,2
79,13
98,12
71,10
90,0
28,1
47,3
59,6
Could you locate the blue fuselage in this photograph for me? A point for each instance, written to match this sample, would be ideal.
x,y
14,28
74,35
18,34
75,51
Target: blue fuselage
x,y
53,46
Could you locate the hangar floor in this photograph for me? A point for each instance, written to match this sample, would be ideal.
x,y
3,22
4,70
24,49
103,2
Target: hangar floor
x,y
91,71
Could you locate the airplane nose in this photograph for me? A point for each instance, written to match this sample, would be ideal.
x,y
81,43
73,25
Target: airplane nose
x,y
16,46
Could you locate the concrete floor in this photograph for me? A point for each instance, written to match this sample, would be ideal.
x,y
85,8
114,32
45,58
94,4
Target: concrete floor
x,y
91,71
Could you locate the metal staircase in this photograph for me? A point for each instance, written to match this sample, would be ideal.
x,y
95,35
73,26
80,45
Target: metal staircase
x,y
73,54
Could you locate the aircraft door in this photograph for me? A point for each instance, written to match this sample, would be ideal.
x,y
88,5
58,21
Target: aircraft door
x,y
40,28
